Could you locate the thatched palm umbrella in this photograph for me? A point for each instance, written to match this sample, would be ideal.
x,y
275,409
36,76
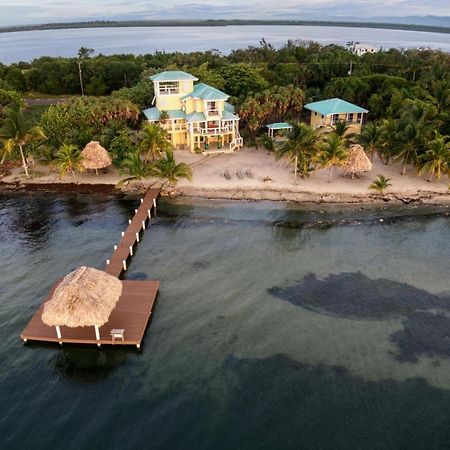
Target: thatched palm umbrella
x,y
95,157
84,298
357,161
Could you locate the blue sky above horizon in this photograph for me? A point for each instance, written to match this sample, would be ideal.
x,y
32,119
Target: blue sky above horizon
x,y
16,12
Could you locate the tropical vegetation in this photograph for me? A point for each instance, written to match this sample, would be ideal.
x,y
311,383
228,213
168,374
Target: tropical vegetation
x,y
380,184
406,91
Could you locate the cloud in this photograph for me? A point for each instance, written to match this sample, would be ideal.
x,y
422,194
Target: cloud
x,y
13,12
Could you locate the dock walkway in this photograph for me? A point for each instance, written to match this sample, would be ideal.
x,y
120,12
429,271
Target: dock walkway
x,y
131,237
135,305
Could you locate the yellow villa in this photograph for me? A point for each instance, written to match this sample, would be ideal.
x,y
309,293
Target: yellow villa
x,y
327,112
198,116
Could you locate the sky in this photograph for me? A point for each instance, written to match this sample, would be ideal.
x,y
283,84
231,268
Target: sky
x,y
19,12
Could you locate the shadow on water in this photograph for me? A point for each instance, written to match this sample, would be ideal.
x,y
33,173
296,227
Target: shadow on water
x,y
33,220
83,365
423,334
328,408
79,207
126,205
355,296
278,403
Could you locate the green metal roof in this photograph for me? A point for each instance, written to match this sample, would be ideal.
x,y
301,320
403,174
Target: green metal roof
x,y
334,106
154,113
229,107
173,75
206,92
226,115
279,126
195,117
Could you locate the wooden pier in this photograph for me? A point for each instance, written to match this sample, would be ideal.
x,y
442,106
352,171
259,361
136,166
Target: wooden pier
x,y
131,237
135,305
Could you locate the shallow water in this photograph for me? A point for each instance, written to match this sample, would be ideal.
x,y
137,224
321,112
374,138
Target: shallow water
x,y
277,326
27,45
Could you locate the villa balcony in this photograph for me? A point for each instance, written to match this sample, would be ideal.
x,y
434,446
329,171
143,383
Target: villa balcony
x,y
212,131
174,127
213,113
168,91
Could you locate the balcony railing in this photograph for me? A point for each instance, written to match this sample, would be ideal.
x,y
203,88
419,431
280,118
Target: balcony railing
x,y
168,90
212,131
213,112
175,127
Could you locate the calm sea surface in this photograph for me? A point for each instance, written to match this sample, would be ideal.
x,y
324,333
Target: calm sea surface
x,y
276,327
24,46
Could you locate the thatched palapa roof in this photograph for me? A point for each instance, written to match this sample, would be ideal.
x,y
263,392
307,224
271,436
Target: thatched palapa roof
x,y
85,297
95,156
357,160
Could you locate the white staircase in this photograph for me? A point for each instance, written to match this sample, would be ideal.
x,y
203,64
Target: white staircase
x,y
237,142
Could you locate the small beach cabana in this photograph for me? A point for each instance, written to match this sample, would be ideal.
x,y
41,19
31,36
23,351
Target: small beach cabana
x,y
327,112
95,157
272,128
84,298
357,161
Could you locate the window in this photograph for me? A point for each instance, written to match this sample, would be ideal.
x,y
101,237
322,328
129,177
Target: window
x,y
168,87
213,108
350,117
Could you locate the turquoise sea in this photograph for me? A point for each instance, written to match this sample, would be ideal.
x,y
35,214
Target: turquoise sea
x,y
278,326
27,45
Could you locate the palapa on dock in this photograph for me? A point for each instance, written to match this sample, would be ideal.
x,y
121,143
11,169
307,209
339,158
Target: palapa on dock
x,y
134,307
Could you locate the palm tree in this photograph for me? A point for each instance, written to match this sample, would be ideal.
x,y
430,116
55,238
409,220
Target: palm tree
x,y
437,157
154,141
389,140
166,167
302,148
267,142
136,167
440,94
380,184
16,132
340,128
334,153
164,117
108,134
68,159
370,138
410,138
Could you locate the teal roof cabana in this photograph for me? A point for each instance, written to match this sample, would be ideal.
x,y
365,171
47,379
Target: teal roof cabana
x,y
328,112
335,106
274,127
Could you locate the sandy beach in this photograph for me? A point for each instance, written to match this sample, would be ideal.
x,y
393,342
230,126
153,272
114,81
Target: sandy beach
x,y
272,180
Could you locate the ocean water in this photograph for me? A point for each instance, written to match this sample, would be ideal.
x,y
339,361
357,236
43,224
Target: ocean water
x,y
278,326
27,45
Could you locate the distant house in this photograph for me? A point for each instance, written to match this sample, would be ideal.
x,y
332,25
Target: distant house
x,y
327,112
361,49
198,116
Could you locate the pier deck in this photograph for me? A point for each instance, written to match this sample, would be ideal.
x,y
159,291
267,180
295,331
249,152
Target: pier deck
x,y
132,313
134,308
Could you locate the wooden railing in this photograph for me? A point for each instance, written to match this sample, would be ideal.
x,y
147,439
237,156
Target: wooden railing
x,y
212,131
213,112
169,91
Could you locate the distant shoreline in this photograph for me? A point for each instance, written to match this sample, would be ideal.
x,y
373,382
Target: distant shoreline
x,y
222,23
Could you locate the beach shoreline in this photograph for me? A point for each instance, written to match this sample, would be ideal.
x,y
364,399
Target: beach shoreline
x,y
271,180
249,194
